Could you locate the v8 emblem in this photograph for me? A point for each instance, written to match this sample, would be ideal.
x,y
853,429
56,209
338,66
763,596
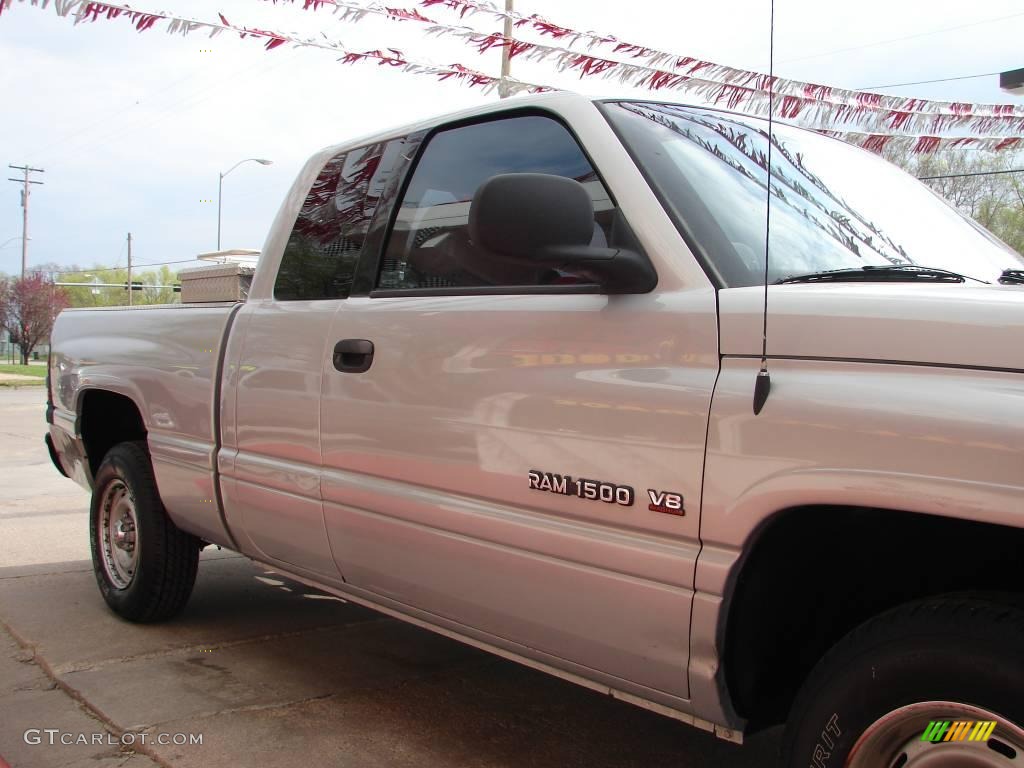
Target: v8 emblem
x,y
666,502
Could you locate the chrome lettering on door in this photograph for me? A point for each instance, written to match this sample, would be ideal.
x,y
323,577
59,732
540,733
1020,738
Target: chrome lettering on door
x,y
592,490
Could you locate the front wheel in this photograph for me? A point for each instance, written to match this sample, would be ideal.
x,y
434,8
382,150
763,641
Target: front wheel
x,y
144,565
933,684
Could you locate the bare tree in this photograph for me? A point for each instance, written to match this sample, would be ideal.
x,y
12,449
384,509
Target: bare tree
x,y
28,308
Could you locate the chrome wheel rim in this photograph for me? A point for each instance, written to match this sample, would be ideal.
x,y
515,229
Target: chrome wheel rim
x,y
896,739
119,525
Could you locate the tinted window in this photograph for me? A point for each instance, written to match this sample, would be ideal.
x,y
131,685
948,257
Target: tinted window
x,y
323,249
833,206
430,247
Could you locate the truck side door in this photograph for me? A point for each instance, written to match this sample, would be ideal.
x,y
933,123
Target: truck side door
x,y
272,457
521,460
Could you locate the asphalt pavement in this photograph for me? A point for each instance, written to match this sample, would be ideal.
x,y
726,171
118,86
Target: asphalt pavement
x,y
262,671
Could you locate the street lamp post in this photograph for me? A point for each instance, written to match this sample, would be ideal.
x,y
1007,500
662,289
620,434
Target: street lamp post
x,y
220,187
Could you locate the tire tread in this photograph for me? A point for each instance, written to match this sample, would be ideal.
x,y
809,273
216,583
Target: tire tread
x,y
991,620
170,561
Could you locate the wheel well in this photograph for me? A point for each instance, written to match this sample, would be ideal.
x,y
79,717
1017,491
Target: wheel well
x,y
815,573
106,419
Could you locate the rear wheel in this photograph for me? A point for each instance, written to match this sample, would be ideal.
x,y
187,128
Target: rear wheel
x,y
932,684
144,565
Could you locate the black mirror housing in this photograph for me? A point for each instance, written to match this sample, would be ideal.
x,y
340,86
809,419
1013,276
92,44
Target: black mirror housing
x,y
616,270
549,220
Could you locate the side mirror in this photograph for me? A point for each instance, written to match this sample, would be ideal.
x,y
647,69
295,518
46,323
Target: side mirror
x,y
549,220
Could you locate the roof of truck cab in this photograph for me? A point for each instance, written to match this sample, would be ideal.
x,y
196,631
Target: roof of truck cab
x,y
553,100
548,99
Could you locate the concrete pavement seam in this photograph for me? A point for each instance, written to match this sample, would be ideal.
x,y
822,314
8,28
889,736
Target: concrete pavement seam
x,y
41,573
40,569
36,513
87,707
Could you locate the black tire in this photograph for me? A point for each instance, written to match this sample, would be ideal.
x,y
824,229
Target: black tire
x,y
147,568
963,650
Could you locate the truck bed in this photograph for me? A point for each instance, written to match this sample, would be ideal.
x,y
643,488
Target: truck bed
x,y
166,360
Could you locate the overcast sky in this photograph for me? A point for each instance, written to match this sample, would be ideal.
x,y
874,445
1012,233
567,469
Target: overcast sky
x,y
133,128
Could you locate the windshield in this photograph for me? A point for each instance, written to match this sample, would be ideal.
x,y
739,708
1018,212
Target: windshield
x,y
833,206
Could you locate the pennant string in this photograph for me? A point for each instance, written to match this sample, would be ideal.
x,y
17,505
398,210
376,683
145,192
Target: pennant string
x,y
665,61
865,121
89,11
878,142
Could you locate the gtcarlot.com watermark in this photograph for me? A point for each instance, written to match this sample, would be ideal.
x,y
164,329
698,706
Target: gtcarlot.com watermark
x,y
56,737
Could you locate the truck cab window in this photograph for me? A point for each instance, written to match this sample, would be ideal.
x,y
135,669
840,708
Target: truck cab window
x,y
324,246
429,246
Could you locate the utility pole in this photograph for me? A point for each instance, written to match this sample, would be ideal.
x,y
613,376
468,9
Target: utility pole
x,y
129,269
506,53
27,182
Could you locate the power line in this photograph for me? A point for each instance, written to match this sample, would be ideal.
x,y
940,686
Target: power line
x,y
163,263
72,143
135,124
901,39
104,119
975,173
136,265
926,82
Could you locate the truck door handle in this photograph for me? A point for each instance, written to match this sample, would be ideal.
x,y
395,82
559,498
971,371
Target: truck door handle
x,y
353,355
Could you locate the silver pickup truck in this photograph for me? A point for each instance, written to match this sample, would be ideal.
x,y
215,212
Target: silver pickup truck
x,y
553,377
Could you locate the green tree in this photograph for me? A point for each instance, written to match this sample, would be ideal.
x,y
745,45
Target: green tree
x,y
93,294
979,184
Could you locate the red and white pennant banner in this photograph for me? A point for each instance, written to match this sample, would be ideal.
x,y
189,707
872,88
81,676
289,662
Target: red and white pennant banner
x,y
85,10
925,144
662,64
865,123
810,105
757,98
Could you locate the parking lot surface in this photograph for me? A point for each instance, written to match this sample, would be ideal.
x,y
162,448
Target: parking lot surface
x,y
266,672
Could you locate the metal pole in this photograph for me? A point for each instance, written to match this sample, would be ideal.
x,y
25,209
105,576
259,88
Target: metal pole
x,y
220,189
220,185
130,289
24,226
119,286
25,193
506,49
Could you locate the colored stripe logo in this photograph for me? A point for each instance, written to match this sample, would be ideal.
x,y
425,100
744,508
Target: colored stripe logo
x,y
960,730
